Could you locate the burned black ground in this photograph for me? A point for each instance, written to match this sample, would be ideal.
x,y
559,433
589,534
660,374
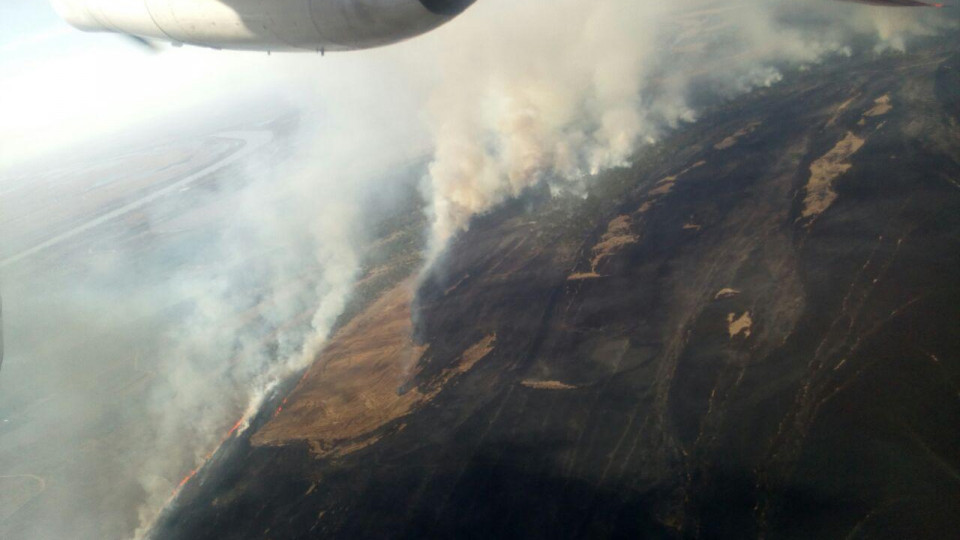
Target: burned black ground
x,y
833,415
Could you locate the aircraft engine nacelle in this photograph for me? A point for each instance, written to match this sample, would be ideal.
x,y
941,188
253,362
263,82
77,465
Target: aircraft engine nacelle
x,y
272,25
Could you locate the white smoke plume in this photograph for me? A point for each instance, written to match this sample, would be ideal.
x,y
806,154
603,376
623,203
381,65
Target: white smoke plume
x,y
298,248
563,88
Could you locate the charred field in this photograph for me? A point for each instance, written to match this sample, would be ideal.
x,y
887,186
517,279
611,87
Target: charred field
x,y
749,331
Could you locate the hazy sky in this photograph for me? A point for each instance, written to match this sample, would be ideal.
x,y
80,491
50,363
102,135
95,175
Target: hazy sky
x,y
42,60
31,33
25,18
59,85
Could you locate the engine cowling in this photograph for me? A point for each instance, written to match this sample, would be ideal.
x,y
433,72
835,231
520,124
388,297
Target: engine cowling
x,y
314,25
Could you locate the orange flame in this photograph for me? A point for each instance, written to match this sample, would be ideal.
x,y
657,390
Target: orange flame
x,y
185,480
188,477
234,429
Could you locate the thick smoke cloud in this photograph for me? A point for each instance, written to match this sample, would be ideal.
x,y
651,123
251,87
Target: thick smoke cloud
x,y
289,261
510,95
564,88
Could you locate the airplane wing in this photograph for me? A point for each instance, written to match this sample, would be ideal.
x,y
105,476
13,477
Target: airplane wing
x,y
296,25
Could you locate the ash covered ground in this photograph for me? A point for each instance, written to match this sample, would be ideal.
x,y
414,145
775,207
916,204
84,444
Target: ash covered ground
x,y
750,331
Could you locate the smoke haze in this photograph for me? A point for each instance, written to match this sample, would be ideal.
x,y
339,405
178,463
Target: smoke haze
x,y
565,90
133,347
